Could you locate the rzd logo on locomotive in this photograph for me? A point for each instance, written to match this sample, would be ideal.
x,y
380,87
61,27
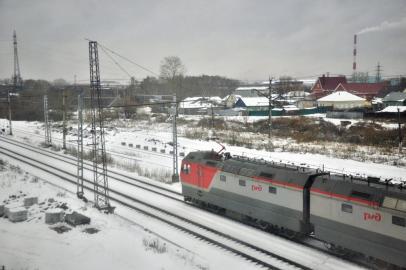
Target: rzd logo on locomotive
x,y
256,188
373,216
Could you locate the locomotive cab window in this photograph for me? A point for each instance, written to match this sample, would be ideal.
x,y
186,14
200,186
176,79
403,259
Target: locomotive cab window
x,y
398,221
241,182
186,168
272,190
222,178
346,208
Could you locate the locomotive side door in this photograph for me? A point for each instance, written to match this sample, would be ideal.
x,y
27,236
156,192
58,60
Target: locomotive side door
x,y
200,176
200,180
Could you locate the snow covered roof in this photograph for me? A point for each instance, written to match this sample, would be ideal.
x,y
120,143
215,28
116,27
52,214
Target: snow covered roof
x,y
394,109
290,108
254,101
252,88
199,102
376,100
395,96
362,88
341,96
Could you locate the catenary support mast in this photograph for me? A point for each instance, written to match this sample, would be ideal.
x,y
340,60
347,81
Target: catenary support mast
x,y
79,190
48,137
175,174
100,179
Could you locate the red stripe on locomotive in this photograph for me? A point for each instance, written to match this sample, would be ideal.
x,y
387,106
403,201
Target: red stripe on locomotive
x,y
198,175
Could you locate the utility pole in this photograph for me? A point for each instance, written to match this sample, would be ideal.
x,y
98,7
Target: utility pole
x,y
48,137
79,191
64,131
270,109
400,132
100,178
174,112
212,117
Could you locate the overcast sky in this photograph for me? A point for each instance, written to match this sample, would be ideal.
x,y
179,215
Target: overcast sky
x,y
242,39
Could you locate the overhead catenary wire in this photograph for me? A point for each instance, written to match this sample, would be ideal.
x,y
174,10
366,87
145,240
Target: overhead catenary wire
x,y
128,60
115,62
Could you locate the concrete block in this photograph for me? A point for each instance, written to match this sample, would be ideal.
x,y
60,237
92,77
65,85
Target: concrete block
x,y
10,206
76,218
1,210
138,146
163,151
130,145
153,149
123,143
145,147
53,216
30,201
17,214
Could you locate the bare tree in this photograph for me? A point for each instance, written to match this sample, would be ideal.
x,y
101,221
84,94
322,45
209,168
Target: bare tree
x,y
172,67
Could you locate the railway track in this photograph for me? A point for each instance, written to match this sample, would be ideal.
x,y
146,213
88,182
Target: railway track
x,y
113,153
246,250
113,174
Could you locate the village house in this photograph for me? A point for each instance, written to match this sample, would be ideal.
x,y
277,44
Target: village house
x,y
341,100
326,85
364,90
394,99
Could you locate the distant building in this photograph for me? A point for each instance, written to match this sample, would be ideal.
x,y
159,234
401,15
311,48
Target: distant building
x,y
341,100
364,90
198,105
253,103
251,91
326,85
395,99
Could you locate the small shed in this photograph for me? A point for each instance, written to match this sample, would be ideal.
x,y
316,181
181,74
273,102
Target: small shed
x,y
341,100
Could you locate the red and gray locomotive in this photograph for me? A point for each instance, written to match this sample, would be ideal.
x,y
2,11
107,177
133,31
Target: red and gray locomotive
x,y
363,215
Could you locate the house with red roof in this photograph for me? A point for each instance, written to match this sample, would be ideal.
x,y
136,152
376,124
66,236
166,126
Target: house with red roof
x,y
365,90
326,85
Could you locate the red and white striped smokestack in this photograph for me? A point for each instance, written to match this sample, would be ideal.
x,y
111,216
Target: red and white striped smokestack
x,y
354,63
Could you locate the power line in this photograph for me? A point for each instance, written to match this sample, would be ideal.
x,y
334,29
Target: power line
x,y
115,62
129,60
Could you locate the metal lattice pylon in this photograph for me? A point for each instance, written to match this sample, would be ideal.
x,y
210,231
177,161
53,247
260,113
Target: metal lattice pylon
x,y
79,191
174,112
100,179
48,137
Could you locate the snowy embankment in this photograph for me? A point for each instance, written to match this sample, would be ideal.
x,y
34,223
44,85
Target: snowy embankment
x,y
159,136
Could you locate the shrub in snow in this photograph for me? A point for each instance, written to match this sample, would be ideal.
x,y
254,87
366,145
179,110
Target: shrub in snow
x,y
154,244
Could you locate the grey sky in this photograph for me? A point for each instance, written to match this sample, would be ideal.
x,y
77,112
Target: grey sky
x,y
243,39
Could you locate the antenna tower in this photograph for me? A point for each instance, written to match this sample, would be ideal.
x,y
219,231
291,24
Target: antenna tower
x,y
17,81
100,179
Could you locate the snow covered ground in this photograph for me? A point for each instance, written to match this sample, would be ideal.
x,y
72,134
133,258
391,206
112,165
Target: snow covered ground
x,y
120,242
156,161
37,244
